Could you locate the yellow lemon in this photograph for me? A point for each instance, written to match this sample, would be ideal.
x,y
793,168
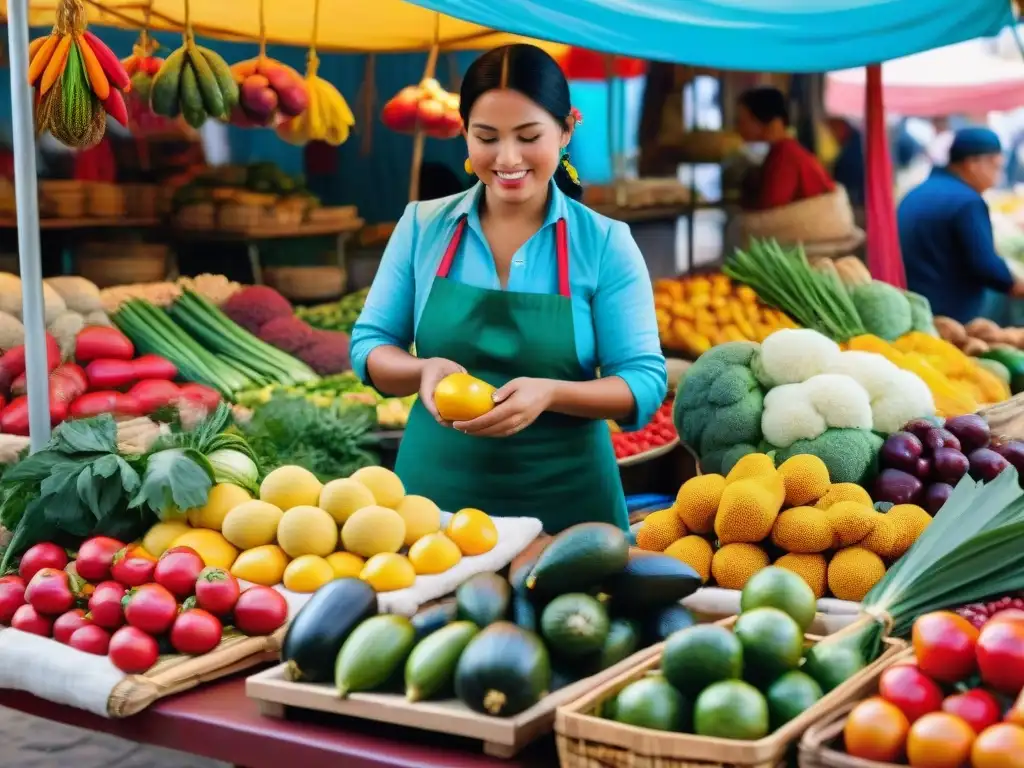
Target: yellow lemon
x,y
307,531
421,515
387,572
252,524
159,538
473,531
346,565
434,553
461,397
307,574
290,486
340,498
385,485
262,565
222,498
373,530
215,550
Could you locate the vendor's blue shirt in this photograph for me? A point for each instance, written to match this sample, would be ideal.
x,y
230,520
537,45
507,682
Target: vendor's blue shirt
x,y
948,249
612,297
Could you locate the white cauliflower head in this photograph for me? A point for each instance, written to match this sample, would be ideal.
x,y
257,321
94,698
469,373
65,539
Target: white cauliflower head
x,y
791,356
804,411
897,396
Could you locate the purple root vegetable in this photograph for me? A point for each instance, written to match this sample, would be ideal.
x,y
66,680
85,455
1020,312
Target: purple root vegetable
x,y
935,496
940,438
949,465
898,487
971,430
901,450
986,464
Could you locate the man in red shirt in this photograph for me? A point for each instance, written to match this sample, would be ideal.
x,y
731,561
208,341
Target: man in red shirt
x,y
789,173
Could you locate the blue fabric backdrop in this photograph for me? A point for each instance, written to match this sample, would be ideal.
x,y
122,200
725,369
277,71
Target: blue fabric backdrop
x,y
756,35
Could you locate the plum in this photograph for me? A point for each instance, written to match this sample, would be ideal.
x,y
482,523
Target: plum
x,y
1013,452
935,496
898,487
923,470
986,464
937,437
901,450
921,427
949,465
971,430
294,99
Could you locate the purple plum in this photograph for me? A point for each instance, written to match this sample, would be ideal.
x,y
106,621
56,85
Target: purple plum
x,y
949,465
986,464
971,430
898,487
936,495
901,450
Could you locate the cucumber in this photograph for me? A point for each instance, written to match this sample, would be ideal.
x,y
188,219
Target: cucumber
x,y
579,559
650,581
503,671
484,599
429,620
321,627
430,669
372,653
574,625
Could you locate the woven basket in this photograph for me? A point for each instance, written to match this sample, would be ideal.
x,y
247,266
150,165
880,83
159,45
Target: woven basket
x,y
819,742
587,741
104,200
285,214
306,283
824,223
1006,419
239,217
142,201
108,264
198,216
62,199
337,214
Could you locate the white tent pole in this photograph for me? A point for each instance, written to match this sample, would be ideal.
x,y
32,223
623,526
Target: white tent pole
x,y
27,203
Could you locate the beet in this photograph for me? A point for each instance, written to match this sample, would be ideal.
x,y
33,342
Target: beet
x,y
940,438
921,427
935,496
1013,452
898,487
986,464
971,430
901,450
949,465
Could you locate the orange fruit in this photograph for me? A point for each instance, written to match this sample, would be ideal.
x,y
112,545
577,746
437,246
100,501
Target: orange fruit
x,y
939,740
472,531
876,730
461,397
999,746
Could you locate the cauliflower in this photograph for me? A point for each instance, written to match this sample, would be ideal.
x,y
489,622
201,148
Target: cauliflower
x,y
851,455
804,411
883,309
896,396
718,405
791,356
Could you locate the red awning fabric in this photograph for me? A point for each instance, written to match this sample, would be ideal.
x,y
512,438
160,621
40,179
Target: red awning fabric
x,y
883,242
582,64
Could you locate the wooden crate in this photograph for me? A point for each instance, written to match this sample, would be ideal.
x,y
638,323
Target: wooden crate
x,y
585,740
501,736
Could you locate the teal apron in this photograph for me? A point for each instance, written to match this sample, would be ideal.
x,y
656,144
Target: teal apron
x,y
561,469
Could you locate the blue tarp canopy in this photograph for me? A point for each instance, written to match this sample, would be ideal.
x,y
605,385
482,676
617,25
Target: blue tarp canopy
x,y
751,35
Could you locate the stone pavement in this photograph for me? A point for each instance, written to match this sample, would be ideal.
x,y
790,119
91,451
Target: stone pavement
x,y
30,742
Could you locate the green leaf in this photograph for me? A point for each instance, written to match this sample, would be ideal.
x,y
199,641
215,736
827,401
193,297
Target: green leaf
x,y
96,435
102,496
39,466
175,480
64,508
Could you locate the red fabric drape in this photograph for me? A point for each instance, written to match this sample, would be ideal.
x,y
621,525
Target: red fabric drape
x,y
883,242
582,64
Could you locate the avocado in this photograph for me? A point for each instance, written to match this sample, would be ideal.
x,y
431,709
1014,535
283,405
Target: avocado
x,y
579,559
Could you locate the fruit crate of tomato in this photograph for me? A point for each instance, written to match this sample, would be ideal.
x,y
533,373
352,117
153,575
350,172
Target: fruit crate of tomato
x,y
656,438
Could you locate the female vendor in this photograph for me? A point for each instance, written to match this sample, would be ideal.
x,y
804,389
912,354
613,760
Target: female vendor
x,y
517,283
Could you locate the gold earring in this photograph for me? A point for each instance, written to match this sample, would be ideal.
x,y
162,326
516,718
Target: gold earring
x,y
468,165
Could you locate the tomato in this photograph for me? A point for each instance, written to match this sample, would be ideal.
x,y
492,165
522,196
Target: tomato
x,y
45,555
28,619
105,607
12,597
151,608
132,566
91,639
217,591
978,708
49,592
178,569
133,651
908,688
1001,655
944,646
939,740
66,624
1001,746
875,730
200,395
196,632
95,557
260,611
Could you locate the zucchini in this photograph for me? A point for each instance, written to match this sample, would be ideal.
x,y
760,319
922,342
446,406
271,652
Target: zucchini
x,y
430,619
430,669
574,625
650,581
657,626
579,559
524,612
322,625
503,671
372,653
484,599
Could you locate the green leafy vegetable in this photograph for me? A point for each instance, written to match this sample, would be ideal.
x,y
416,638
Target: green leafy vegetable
x,y
176,480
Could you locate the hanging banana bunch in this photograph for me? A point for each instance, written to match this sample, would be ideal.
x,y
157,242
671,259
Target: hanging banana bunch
x,y
77,79
328,117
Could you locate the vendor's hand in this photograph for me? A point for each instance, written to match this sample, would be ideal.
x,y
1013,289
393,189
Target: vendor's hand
x,y
435,369
518,404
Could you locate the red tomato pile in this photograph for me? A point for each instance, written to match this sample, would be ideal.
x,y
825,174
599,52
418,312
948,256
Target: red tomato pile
x,y
104,377
119,601
960,704
659,431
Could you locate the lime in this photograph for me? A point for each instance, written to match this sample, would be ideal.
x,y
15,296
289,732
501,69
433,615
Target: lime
x,y
652,702
772,644
731,709
778,588
791,695
700,655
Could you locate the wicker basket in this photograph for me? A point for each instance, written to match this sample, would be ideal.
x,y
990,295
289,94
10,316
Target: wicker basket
x,y
1006,419
62,199
108,264
818,742
239,217
285,214
142,201
104,200
587,741
306,283
335,214
198,216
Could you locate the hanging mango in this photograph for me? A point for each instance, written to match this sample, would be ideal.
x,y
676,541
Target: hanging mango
x,y
77,79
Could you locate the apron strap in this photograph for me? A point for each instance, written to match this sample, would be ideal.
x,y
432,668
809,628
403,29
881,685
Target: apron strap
x,y
561,254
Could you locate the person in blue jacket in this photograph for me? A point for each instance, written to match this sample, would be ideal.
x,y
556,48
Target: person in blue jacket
x,y
946,232
516,282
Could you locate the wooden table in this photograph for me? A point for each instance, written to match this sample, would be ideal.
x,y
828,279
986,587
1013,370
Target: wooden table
x,y
218,721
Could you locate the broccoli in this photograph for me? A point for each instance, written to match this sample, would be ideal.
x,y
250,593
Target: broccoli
x,y
851,455
883,309
718,404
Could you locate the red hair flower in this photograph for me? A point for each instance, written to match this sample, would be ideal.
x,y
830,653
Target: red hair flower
x,y
576,116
